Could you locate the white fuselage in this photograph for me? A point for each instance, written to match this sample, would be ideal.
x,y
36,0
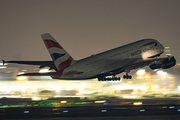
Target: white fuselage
x,y
114,59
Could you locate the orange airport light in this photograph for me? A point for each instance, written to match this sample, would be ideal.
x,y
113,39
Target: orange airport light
x,y
137,103
22,78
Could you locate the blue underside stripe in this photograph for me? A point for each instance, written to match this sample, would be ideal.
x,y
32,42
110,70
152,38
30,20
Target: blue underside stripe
x,y
56,56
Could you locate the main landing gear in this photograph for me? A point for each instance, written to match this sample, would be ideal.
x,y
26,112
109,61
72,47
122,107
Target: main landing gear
x,y
109,79
127,76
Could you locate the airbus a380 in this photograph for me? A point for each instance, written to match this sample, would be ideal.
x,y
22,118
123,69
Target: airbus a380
x,y
135,55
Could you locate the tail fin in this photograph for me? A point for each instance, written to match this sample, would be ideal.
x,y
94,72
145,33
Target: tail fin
x,y
60,57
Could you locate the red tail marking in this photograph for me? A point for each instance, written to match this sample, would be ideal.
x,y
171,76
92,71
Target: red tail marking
x,y
57,74
65,64
50,44
61,68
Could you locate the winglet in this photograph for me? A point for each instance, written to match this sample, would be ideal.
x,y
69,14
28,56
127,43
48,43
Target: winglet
x,y
3,62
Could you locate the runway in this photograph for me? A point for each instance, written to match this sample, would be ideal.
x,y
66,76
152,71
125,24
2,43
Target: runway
x,y
155,117
74,108
92,112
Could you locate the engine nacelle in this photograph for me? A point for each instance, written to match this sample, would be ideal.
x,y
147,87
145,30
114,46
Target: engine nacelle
x,y
167,63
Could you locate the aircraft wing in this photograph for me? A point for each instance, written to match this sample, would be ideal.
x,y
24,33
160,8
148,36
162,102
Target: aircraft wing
x,y
36,74
50,74
160,63
40,63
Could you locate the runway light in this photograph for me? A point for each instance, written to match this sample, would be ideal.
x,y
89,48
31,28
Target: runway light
x,y
21,78
26,112
103,110
105,103
171,107
142,110
137,103
64,101
65,111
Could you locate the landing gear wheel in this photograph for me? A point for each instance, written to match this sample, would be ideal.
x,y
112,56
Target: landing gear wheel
x,y
127,77
109,79
124,76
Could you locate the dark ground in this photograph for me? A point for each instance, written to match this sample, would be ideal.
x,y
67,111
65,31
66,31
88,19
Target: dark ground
x,y
130,112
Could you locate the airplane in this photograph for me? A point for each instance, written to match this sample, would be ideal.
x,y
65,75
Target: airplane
x,y
125,58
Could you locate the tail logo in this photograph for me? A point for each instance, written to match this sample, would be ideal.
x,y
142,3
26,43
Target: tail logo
x,y
55,56
61,58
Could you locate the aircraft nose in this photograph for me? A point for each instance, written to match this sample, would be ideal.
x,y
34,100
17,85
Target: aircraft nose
x,y
160,46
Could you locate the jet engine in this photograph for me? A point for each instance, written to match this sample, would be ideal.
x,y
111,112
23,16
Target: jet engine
x,y
165,64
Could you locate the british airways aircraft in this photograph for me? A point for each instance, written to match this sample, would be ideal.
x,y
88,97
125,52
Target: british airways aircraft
x,y
132,56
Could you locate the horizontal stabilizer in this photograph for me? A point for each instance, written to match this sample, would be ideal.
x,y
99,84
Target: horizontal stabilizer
x,y
29,62
37,74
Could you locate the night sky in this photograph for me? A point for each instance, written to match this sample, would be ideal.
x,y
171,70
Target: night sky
x,y
85,27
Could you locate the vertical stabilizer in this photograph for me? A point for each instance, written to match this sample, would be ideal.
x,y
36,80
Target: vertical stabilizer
x,y
60,57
